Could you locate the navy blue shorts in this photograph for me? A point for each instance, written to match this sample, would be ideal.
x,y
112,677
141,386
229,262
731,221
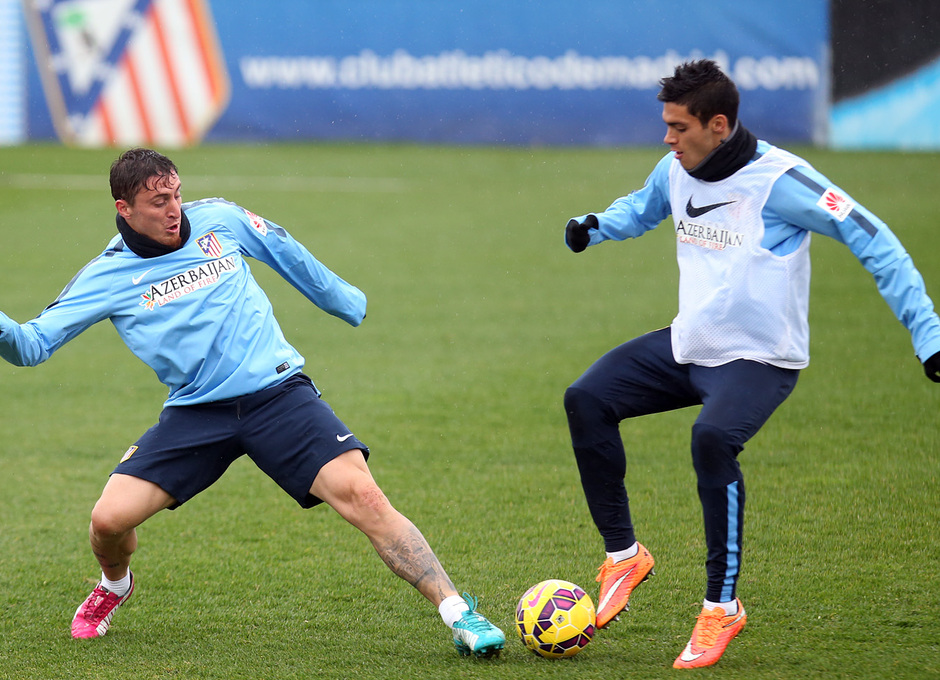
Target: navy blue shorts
x,y
287,430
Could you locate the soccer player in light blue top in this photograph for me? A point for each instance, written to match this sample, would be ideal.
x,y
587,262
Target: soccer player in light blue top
x,y
743,213
177,287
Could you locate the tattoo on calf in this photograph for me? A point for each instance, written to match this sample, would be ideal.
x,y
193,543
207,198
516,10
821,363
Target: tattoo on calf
x,y
410,557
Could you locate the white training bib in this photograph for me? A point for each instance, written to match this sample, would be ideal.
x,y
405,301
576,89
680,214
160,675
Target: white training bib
x,y
737,300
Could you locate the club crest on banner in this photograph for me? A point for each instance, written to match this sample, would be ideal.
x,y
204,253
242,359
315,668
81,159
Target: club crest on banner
x,y
129,72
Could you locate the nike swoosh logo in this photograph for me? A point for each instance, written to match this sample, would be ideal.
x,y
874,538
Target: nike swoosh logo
x,y
535,597
138,279
344,437
613,588
687,654
698,212
739,617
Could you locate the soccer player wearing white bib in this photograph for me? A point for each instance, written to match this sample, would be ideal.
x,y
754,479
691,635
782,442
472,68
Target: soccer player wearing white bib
x,y
743,213
176,284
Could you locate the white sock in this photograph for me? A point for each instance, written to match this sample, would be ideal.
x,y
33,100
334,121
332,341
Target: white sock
x,y
731,608
451,609
621,555
119,587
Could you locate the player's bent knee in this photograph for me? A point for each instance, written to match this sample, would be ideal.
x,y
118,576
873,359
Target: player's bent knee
x,y
590,420
714,455
575,399
582,406
367,495
373,503
360,501
108,522
369,510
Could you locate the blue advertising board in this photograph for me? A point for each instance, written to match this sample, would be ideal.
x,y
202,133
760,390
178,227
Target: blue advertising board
x,y
521,72
901,114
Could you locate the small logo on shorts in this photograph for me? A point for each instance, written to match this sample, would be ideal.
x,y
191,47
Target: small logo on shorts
x,y
344,437
130,452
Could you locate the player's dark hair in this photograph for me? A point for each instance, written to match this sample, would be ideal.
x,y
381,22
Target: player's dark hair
x,y
134,168
703,89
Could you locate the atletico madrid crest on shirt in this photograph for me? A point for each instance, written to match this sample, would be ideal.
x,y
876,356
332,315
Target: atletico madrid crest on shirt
x,y
210,245
129,72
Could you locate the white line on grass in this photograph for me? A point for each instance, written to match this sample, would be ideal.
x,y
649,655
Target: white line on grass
x,y
216,183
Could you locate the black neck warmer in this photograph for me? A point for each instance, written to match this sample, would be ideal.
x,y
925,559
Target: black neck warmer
x,y
146,247
734,152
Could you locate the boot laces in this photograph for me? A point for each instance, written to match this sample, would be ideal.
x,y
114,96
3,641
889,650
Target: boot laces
x,y
707,628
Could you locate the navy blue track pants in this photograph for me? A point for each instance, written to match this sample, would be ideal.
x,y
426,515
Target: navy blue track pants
x,y
641,377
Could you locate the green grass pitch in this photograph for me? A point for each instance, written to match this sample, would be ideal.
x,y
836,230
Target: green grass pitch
x,y
479,317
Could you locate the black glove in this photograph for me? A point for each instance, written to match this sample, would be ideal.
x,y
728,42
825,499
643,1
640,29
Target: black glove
x,y
932,367
576,233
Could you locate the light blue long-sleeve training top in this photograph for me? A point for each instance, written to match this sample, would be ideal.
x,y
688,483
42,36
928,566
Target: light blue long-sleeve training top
x,y
796,206
196,316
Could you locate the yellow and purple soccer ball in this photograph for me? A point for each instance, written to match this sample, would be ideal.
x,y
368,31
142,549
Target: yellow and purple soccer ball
x,y
555,619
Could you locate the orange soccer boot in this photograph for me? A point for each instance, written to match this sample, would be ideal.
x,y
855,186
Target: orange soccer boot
x,y
712,633
617,582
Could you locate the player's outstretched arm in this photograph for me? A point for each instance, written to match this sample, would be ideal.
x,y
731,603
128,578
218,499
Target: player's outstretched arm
x,y
82,304
271,243
629,216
